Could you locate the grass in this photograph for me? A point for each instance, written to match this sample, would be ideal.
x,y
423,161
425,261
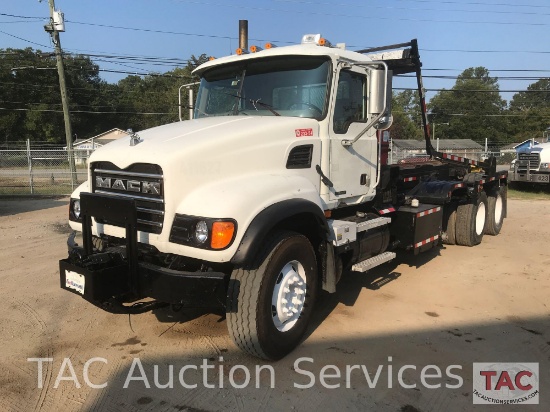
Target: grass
x,y
41,186
37,191
529,193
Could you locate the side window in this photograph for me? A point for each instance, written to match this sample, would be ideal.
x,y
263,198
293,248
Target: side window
x,y
350,103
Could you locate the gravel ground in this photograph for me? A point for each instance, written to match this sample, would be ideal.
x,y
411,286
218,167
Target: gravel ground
x,y
452,306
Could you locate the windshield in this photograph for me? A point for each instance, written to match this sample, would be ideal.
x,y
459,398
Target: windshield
x,y
283,86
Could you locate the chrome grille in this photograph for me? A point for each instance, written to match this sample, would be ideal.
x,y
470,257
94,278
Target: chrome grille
x,y
141,181
525,159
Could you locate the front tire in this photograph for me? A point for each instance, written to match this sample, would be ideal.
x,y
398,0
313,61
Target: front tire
x,y
269,306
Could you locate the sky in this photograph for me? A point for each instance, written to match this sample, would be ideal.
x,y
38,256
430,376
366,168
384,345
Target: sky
x,y
510,38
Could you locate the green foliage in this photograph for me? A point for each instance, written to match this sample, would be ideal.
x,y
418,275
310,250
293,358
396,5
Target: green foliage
x,y
407,123
531,109
533,98
31,102
473,108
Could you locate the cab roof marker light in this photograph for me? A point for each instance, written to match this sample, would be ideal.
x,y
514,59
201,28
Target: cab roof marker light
x,y
255,49
324,42
311,39
270,45
240,51
211,58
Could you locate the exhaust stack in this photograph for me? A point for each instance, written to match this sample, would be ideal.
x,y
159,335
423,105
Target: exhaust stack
x,y
243,35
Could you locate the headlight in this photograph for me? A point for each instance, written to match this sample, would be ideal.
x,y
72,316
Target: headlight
x,y
201,231
74,210
544,165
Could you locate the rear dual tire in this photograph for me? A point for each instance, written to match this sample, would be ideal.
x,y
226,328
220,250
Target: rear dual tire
x,y
449,224
496,211
471,219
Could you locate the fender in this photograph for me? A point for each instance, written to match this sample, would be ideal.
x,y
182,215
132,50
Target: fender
x,y
268,218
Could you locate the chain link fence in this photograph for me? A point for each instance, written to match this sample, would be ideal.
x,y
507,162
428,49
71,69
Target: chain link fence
x,y
30,168
407,149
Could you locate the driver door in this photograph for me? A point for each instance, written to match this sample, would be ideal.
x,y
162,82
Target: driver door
x,y
352,169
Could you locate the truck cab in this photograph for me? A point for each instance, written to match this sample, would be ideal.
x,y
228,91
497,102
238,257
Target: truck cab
x,y
325,95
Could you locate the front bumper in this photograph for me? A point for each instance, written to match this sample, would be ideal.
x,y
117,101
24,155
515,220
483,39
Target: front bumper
x,y
109,280
530,176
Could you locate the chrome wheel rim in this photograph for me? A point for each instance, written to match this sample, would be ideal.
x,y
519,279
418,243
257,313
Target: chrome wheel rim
x,y
289,295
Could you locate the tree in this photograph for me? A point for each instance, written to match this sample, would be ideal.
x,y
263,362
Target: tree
x,y
531,111
26,95
473,108
31,103
195,62
536,97
31,98
406,116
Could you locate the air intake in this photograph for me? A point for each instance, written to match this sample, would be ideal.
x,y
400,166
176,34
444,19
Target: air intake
x,y
300,157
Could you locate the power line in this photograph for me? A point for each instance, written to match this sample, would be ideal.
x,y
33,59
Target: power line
x,y
483,51
77,90
28,41
495,70
185,77
175,76
148,30
478,3
169,113
174,66
22,17
468,78
74,106
124,56
84,111
288,42
477,114
477,91
393,18
16,21
370,6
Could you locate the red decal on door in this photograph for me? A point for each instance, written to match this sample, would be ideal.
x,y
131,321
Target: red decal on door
x,y
304,132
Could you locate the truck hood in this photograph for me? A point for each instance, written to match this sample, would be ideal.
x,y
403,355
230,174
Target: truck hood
x,y
207,135
218,167
542,148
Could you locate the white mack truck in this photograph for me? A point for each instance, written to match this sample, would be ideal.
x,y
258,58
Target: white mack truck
x,y
275,187
532,165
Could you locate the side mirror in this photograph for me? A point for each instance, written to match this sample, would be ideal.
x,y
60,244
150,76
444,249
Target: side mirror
x,y
380,97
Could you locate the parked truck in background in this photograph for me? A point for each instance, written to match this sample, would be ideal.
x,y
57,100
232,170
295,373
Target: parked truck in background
x,y
532,165
277,186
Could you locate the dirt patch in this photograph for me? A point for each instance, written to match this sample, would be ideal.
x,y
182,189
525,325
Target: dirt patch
x,y
455,306
61,227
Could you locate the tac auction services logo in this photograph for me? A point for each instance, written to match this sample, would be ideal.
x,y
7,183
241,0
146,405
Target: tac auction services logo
x,y
506,383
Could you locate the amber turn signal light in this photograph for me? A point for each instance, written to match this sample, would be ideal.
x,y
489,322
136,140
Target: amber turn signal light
x,y
222,234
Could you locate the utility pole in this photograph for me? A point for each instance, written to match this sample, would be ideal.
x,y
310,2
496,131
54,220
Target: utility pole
x,y
53,28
